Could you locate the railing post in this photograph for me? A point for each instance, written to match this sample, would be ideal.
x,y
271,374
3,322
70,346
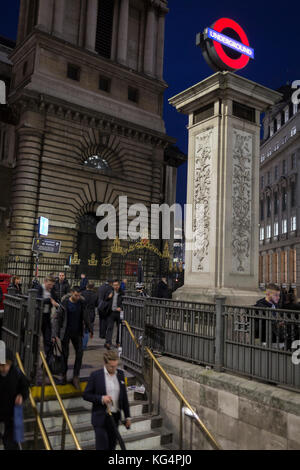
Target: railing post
x,y
181,425
151,385
63,434
219,341
29,360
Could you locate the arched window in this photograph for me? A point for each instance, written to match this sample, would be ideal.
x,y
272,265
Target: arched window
x,y
97,162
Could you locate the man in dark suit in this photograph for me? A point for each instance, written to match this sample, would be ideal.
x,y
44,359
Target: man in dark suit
x,y
105,293
106,388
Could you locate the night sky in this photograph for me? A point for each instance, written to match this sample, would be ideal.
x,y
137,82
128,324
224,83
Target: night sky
x,y
272,30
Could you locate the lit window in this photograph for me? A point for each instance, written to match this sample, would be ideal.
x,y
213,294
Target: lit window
x,y
295,106
284,226
286,115
268,231
262,233
275,229
96,162
293,223
293,130
272,129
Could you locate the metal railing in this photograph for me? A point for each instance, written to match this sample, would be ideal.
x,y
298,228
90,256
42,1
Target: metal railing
x,y
66,420
250,341
39,425
183,401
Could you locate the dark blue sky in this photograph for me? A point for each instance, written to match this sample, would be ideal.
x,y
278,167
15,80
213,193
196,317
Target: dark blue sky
x,y
272,29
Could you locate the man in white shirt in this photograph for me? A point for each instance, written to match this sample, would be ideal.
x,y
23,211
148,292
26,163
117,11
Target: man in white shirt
x,y
106,388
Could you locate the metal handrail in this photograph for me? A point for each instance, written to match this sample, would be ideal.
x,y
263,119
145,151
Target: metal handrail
x,y
175,390
39,421
66,419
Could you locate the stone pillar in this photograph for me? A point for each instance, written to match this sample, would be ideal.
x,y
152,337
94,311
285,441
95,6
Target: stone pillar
x,y
160,46
45,15
123,32
222,254
25,192
149,42
22,21
91,24
59,16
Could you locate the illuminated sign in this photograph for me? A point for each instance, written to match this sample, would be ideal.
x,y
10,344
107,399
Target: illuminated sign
x,y
225,46
43,226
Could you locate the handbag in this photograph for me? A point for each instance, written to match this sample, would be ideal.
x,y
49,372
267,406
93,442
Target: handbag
x,y
55,361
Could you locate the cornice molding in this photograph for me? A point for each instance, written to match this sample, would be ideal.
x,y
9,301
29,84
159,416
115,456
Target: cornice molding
x,y
50,106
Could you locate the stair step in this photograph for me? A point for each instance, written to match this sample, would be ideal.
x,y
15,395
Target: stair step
x,y
85,431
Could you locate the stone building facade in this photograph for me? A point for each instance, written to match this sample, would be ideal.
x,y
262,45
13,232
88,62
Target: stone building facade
x,y
280,195
87,95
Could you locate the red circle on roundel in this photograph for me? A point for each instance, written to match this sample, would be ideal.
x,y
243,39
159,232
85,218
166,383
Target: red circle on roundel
x,y
219,26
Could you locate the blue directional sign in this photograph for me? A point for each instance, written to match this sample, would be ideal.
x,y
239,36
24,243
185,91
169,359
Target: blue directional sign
x,y
43,226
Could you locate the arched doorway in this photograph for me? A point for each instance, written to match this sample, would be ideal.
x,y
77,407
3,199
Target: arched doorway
x,y
87,244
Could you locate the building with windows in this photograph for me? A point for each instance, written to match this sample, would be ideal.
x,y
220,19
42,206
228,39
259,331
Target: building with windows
x,y
280,194
86,96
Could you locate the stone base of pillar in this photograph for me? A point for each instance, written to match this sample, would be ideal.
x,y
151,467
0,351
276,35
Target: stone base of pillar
x,y
233,296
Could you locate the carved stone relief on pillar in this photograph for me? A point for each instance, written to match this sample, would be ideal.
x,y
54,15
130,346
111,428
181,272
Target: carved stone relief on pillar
x,y
201,209
241,201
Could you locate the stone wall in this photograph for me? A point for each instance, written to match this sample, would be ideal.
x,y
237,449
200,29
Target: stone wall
x,y
5,194
241,414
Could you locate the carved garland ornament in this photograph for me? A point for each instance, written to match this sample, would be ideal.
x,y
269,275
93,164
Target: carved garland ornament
x,y
201,210
241,201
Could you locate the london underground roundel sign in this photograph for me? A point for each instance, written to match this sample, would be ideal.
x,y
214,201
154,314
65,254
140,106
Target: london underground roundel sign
x,y
225,46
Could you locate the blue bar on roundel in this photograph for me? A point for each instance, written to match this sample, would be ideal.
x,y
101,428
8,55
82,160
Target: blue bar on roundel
x,y
229,42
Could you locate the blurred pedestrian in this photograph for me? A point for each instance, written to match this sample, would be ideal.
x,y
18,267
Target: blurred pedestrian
x,y
123,285
271,300
16,283
104,294
106,388
83,283
90,298
14,390
60,288
162,289
44,292
69,325
114,315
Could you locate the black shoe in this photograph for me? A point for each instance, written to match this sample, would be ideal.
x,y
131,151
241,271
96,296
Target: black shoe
x,y
64,380
76,382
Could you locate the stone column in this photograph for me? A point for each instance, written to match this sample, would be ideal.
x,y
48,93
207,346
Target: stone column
x,y
25,192
22,21
91,25
123,32
59,17
45,15
149,42
222,254
160,46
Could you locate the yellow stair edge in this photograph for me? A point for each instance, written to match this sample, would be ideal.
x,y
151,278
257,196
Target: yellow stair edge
x,y
68,390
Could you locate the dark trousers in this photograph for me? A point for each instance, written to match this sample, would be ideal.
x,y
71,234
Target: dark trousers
x,y
105,436
8,436
77,344
103,325
113,318
46,331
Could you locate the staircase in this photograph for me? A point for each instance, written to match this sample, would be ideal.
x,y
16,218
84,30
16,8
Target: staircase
x,y
146,432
